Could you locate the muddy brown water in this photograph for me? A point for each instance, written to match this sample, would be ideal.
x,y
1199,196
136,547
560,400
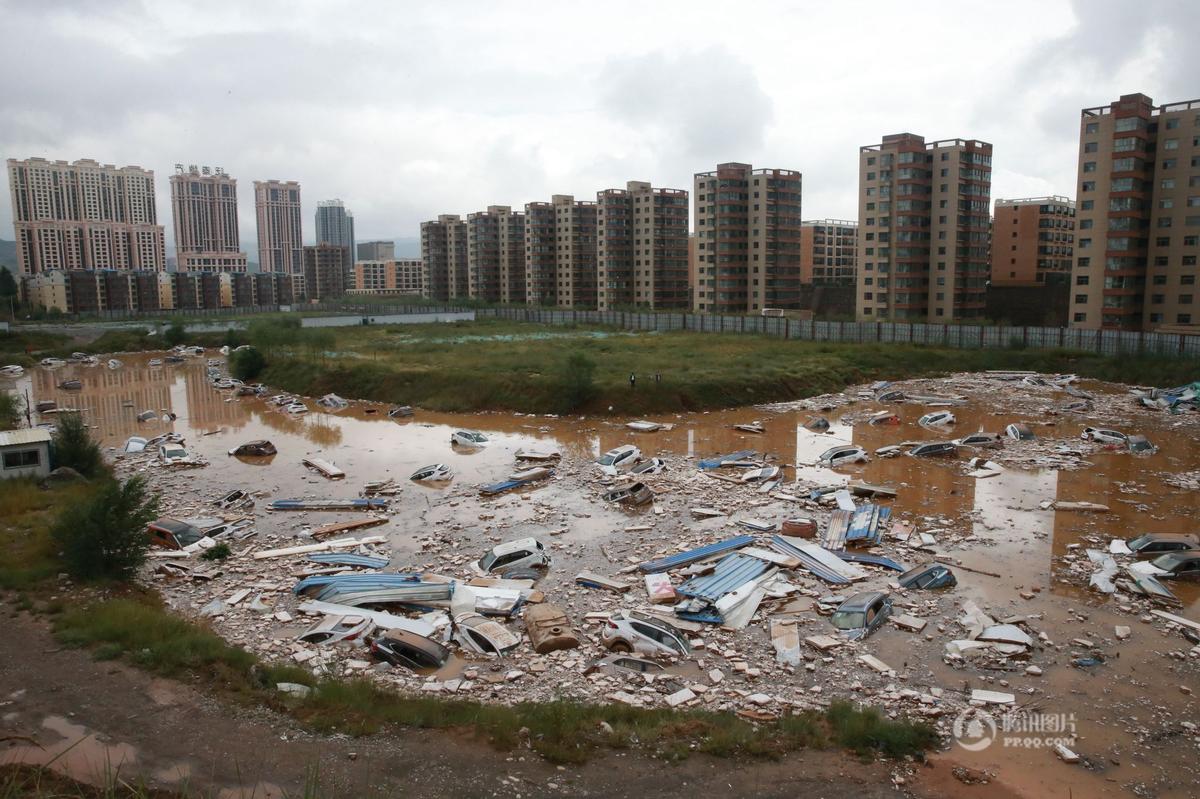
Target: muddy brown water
x,y
1127,711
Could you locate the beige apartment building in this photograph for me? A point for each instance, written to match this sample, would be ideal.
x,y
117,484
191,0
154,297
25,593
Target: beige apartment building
x,y
444,251
1033,241
560,252
642,247
325,269
395,276
84,215
204,210
377,251
828,252
496,255
280,236
748,250
924,220
1137,216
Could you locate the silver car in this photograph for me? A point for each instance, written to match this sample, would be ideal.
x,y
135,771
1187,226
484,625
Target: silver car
x,y
632,632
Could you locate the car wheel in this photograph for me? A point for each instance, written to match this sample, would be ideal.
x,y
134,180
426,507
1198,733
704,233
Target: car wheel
x,y
620,646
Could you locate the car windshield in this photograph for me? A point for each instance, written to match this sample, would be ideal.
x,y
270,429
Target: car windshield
x,y
187,535
1167,562
848,619
1140,542
607,459
912,574
487,560
833,453
176,452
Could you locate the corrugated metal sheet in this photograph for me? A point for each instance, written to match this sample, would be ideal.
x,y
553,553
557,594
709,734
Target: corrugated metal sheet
x,y
867,524
353,581
839,526
348,559
32,435
780,544
693,555
715,462
731,573
872,560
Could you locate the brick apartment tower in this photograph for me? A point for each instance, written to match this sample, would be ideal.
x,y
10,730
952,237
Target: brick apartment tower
x,y
747,239
496,255
560,252
280,239
326,269
1032,242
1137,216
642,248
828,252
444,251
84,215
923,211
204,210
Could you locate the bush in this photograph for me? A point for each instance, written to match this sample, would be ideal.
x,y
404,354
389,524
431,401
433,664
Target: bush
x,y
246,364
75,447
10,410
174,335
105,537
216,552
578,380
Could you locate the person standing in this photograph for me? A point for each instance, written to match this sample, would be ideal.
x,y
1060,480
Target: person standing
x,y
632,380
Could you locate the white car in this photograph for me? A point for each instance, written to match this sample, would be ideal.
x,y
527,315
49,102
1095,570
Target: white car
x,y
13,370
522,553
621,459
172,453
842,456
468,438
1102,436
936,419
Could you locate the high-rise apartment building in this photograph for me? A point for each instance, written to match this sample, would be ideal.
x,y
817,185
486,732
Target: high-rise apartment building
x,y
444,251
1032,241
828,252
642,247
496,254
403,276
326,267
84,215
923,211
377,251
280,239
335,225
560,252
1137,216
747,239
204,210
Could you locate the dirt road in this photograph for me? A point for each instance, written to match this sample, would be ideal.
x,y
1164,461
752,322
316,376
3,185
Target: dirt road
x,y
92,716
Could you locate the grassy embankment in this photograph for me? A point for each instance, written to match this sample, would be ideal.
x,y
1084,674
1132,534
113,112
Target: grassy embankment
x,y
126,622
500,365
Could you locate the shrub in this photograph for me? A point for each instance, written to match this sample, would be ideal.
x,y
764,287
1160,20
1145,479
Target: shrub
x,y
75,447
246,364
105,536
175,334
10,410
578,378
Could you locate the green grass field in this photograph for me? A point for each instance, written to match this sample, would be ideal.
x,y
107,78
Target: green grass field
x,y
501,365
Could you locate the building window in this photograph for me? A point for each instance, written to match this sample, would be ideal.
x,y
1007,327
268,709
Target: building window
x,y
1157,299
1081,299
1089,166
1081,280
1166,202
1090,147
1088,185
1183,319
1185,299
1162,241
1187,280
1167,183
1080,317
1091,127
1084,263
1164,221
1171,144
1160,280
1085,243
21,459
1087,205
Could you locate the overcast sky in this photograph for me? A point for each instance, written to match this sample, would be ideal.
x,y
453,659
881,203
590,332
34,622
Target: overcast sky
x,y
406,110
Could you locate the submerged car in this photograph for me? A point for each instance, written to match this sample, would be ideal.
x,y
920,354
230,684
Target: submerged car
x,y
255,449
71,385
1151,545
332,629
172,453
842,456
631,632
981,439
933,448
482,635
936,419
1019,431
1178,566
468,438
173,533
1103,436
623,664
135,444
433,473
522,553
409,650
862,614
818,424
1140,445
929,576
620,459
651,466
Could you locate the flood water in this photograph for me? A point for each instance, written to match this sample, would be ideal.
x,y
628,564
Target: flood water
x,y
1125,709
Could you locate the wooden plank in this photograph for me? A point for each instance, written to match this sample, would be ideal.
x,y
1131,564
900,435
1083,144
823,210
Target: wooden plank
x,y
770,556
343,543
343,527
1180,620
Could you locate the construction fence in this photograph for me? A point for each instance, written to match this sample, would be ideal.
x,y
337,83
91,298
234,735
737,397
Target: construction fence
x,y
1105,342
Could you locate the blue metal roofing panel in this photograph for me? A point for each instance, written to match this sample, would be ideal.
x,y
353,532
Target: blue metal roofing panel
x,y
348,559
872,560
732,572
693,555
867,524
715,462
308,584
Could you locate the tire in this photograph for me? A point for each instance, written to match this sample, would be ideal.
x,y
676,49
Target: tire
x,y
620,646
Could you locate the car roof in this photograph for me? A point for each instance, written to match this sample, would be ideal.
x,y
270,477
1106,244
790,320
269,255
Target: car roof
x,y
861,601
1186,537
173,525
516,546
1187,554
622,448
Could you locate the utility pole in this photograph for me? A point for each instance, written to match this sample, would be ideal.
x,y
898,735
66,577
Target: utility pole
x,y
28,415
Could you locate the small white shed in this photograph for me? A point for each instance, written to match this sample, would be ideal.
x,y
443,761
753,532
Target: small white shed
x,y
24,453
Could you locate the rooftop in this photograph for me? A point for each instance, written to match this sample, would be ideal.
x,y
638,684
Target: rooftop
x,y
34,435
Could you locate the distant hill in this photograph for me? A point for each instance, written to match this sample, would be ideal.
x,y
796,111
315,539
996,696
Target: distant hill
x,y
8,254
